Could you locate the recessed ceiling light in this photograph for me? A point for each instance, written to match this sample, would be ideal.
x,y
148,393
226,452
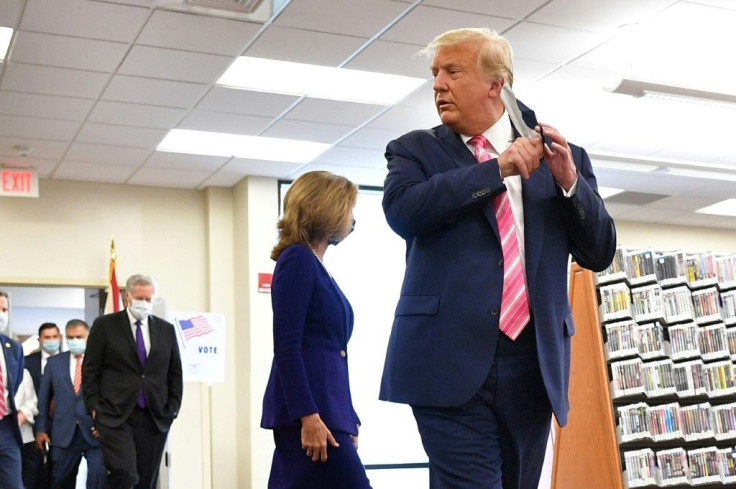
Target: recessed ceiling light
x,y
606,192
723,208
6,34
270,75
644,88
239,146
623,166
707,175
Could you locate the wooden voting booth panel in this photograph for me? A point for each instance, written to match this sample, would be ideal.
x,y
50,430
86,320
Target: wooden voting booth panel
x,y
586,450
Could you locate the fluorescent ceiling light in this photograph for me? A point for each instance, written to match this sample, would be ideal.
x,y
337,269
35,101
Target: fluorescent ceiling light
x,y
707,175
6,34
251,147
623,166
642,88
269,75
606,192
723,208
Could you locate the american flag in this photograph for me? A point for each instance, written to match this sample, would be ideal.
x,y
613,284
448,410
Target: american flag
x,y
196,326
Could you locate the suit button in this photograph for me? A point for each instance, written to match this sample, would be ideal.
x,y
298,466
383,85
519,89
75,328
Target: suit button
x,y
581,211
343,353
494,311
500,263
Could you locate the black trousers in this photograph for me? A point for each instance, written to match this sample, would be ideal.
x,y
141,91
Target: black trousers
x,y
132,451
36,467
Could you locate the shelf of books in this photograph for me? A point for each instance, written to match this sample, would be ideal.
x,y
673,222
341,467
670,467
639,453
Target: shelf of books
x,y
667,328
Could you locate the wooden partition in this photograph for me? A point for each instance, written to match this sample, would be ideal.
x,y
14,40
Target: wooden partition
x,y
586,450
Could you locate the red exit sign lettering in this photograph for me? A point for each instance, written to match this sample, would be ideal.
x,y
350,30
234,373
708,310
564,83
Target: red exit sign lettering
x,y
18,183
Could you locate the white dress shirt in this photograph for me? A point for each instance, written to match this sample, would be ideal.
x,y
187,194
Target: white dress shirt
x,y
144,330
27,403
44,358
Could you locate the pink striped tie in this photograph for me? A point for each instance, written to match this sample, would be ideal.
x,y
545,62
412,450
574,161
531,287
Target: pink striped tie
x,y
3,407
514,301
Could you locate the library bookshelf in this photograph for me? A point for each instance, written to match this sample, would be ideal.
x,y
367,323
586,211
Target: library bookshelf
x,y
652,374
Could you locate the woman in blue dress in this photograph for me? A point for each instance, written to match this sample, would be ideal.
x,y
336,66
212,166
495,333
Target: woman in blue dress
x,y
307,402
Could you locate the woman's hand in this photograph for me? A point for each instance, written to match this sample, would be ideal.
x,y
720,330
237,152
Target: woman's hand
x,y
315,437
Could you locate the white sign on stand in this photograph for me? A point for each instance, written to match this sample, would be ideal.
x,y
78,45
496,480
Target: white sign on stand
x,y
201,338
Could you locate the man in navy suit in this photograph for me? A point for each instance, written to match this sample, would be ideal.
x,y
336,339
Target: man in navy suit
x,y
72,429
483,389
36,473
11,375
133,386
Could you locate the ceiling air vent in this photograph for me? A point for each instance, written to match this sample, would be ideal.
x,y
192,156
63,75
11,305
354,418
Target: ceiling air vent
x,y
237,9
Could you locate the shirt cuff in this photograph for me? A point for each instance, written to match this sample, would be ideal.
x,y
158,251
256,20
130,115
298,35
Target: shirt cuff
x,y
573,190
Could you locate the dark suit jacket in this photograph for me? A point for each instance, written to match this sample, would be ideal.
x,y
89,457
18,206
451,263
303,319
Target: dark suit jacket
x,y
33,365
312,323
445,331
112,374
57,383
14,364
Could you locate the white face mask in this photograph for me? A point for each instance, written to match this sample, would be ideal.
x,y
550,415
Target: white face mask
x,y
3,321
140,309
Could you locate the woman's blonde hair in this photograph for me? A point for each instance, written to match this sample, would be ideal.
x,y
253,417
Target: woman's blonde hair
x,y
317,206
495,58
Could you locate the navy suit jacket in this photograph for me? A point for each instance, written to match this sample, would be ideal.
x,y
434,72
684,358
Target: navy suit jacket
x,y
445,330
14,364
33,365
312,323
112,374
57,383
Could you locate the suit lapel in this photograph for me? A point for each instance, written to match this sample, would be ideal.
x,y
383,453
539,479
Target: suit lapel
x,y
67,379
451,141
154,334
125,332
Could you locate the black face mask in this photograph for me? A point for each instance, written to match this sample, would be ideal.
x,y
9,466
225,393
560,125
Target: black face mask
x,y
335,242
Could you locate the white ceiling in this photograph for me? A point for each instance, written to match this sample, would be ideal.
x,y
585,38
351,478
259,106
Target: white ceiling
x,y
92,86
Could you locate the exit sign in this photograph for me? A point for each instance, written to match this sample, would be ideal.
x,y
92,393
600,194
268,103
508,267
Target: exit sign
x,y
16,182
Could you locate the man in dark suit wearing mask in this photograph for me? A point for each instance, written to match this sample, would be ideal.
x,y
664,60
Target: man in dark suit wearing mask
x,y
132,384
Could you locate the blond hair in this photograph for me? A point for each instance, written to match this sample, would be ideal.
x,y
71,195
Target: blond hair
x,y
317,206
495,57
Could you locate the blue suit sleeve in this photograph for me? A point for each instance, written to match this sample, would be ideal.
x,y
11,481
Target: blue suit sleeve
x,y
44,400
415,203
293,285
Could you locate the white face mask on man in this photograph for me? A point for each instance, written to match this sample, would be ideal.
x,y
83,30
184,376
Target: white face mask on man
x,y
140,309
3,321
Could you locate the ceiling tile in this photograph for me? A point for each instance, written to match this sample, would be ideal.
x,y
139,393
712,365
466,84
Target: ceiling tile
x,y
404,60
635,198
527,72
370,138
421,98
187,32
107,155
246,102
178,161
601,16
43,167
39,148
653,215
698,220
53,81
333,112
81,18
325,49
361,157
120,135
404,119
517,9
94,172
48,106
340,17
136,115
549,44
68,52
161,177
10,12
662,183
728,4
239,168
153,92
33,127
683,203
373,177
423,24
170,64
307,131
203,120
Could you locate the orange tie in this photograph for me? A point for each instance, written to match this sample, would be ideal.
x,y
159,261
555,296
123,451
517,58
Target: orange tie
x,y
514,301
78,375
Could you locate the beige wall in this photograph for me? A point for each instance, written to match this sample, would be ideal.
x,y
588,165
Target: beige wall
x,y
206,249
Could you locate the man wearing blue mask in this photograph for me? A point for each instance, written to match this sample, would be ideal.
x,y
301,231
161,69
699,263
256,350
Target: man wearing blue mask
x,y
11,374
36,467
132,382
72,430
